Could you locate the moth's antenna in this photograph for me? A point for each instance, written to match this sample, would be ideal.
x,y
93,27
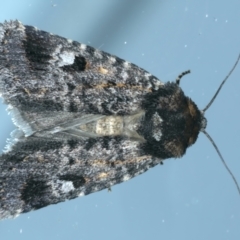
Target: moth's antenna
x,y
181,75
221,157
225,79
208,136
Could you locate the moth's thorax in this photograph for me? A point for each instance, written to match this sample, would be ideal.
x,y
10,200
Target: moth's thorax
x,y
178,118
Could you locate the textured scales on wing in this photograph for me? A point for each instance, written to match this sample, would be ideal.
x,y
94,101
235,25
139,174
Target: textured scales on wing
x,y
86,119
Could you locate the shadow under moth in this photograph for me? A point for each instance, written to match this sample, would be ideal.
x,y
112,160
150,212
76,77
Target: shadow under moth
x,y
86,120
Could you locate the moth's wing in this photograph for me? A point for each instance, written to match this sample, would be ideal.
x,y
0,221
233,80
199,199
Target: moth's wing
x,y
50,82
66,126
32,122
38,172
47,80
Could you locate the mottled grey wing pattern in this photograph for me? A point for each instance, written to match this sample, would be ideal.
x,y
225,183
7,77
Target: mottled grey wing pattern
x,y
86,120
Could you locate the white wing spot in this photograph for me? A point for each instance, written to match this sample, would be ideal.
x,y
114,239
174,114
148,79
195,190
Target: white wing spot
x,y
81,194
126,64
18,211
67,186
112,60
21,26
83,47
126,177
147,75
66,58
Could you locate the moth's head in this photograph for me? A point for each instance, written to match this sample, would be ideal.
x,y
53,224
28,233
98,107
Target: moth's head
x,y
181,127
195,121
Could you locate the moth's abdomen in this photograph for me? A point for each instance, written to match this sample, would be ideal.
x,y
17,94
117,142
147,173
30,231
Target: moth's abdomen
x,y
124,126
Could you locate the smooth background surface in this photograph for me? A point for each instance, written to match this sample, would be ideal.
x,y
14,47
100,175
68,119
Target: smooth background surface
x,y
191,198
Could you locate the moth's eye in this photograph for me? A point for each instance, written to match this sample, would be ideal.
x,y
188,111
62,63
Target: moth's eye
x,y
193,122
191,140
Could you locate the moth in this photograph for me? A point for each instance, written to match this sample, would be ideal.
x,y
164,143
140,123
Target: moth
x,y
86,120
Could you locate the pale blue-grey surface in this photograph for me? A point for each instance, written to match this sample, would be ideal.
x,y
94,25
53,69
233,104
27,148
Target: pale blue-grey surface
x,y
191,198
